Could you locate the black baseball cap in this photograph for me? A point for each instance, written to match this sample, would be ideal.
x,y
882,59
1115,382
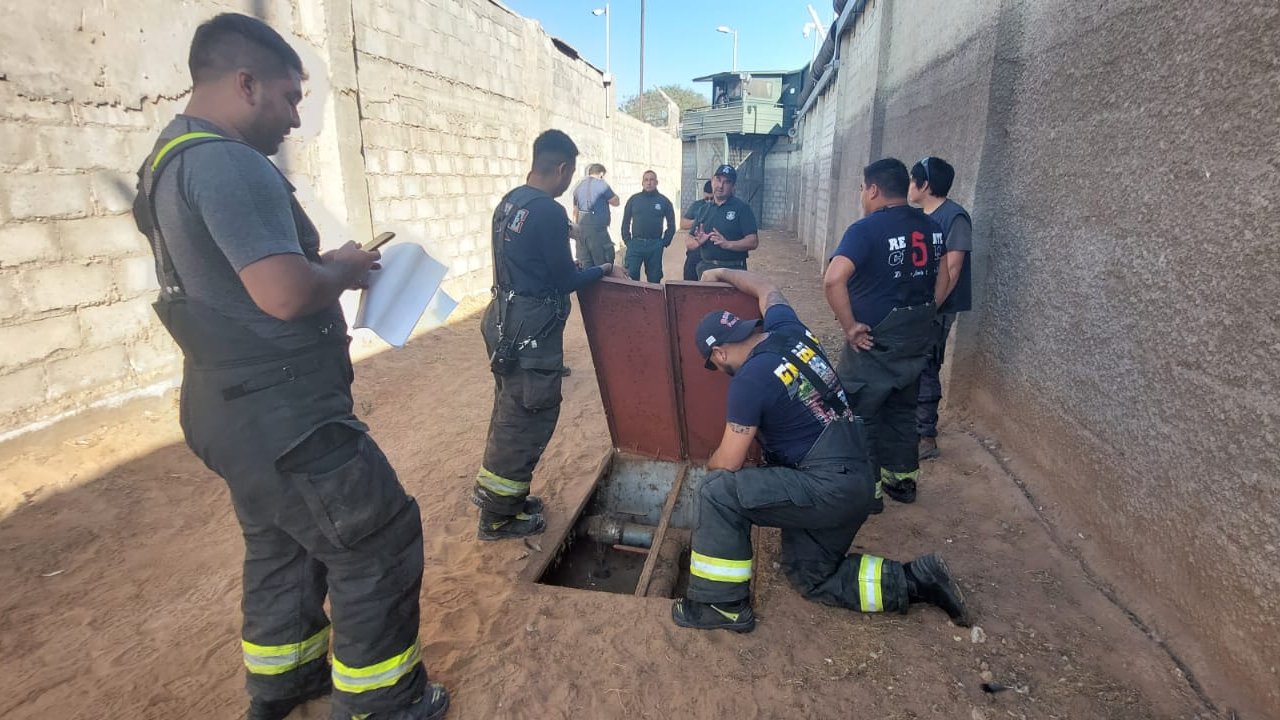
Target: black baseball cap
x,y
719,327
729,172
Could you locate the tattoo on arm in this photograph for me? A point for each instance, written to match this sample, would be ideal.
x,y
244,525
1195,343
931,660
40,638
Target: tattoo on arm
x,y
740,429
774,298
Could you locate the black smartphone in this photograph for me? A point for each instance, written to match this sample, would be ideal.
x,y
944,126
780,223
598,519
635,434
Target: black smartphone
x,y
378,242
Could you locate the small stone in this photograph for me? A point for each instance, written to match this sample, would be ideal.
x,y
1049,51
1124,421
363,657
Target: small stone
x,y
987,676
977,635
957,638
777,565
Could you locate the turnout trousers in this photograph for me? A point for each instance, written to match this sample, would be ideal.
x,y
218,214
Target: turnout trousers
x,y
646,253
819,505
526,402
322,512
594,247
931,380
883,384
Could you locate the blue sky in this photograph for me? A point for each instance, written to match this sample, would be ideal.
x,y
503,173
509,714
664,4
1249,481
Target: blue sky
x,y
681,41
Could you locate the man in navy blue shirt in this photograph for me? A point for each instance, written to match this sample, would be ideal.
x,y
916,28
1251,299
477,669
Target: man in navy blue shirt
x,y
523,331
648,224
816,485
884,285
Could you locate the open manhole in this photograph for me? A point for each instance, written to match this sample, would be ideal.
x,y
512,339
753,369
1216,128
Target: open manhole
x,y
632,536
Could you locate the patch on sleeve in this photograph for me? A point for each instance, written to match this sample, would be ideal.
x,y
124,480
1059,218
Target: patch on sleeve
x,y
517,220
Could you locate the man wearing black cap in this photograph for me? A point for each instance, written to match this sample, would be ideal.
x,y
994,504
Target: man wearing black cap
x,y
884,285
816,484
725,228
693,251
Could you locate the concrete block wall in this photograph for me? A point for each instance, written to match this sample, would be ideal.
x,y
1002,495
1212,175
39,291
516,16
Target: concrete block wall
x,y
1119,161
418,117
452,97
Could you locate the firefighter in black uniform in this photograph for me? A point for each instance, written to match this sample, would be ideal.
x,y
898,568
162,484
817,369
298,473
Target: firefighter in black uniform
x,y
523,331
816,484
725,229
266,393
884,285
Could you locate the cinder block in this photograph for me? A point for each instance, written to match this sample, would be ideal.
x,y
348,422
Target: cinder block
x,y
136,276
66,286
35,340
10,299
17,149
113,192
21,390
112,236
27,242
107,324
155,354
45,195
91,369
93,147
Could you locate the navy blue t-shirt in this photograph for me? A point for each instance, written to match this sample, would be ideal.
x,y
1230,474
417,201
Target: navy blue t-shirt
x,y
538,261
770,393
895,252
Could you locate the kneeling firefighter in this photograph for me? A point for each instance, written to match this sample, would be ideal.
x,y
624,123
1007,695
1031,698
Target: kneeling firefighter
x,y
816,485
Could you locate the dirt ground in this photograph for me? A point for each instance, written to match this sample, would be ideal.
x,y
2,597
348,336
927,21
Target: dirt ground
x,y
119,586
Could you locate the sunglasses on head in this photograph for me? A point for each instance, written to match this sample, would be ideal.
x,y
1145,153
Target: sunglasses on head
x,y
925,164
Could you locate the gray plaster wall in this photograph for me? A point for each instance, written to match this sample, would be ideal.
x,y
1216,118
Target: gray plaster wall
x,y
1120,161
418,117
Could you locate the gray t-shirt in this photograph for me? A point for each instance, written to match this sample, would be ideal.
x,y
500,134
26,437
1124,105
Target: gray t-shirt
x,y
223,206
591,198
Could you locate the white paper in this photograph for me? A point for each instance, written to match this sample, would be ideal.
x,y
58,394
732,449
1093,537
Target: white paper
x,y
407,285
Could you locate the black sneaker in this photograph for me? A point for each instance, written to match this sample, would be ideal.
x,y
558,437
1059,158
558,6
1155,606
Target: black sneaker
x,y
929,580
904,491
565,371
502,527
928,448
432,706
706,616
280,709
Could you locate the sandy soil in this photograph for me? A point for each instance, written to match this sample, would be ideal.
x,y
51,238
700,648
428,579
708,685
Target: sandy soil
x,y
119,586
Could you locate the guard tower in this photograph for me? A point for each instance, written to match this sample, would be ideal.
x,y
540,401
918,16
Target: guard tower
x,y
749,114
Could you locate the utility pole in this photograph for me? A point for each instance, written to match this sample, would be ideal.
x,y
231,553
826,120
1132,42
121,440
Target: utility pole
x,y
641,53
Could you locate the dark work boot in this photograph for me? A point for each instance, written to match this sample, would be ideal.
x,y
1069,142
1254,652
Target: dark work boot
x,y
904,491
432,706
502,527
532,503
736,616
930,581
928,448
280,709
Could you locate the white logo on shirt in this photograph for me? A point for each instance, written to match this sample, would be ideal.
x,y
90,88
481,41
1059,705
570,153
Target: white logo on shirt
x,y
731,215
657,206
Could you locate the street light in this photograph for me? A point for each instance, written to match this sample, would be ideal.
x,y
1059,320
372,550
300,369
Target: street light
x,y
608,76
728,30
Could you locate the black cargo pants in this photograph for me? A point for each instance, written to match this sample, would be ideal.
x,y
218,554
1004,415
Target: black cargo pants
x,y
322,511
526,401
820,506
931,378
883,385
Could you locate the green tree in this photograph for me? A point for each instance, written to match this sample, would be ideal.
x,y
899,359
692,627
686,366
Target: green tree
x,y
653,109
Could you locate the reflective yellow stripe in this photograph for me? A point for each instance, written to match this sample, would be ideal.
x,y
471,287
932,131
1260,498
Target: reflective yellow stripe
x,y
500,485
176,142
718,569
280,659
893,478
384,674
869,596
